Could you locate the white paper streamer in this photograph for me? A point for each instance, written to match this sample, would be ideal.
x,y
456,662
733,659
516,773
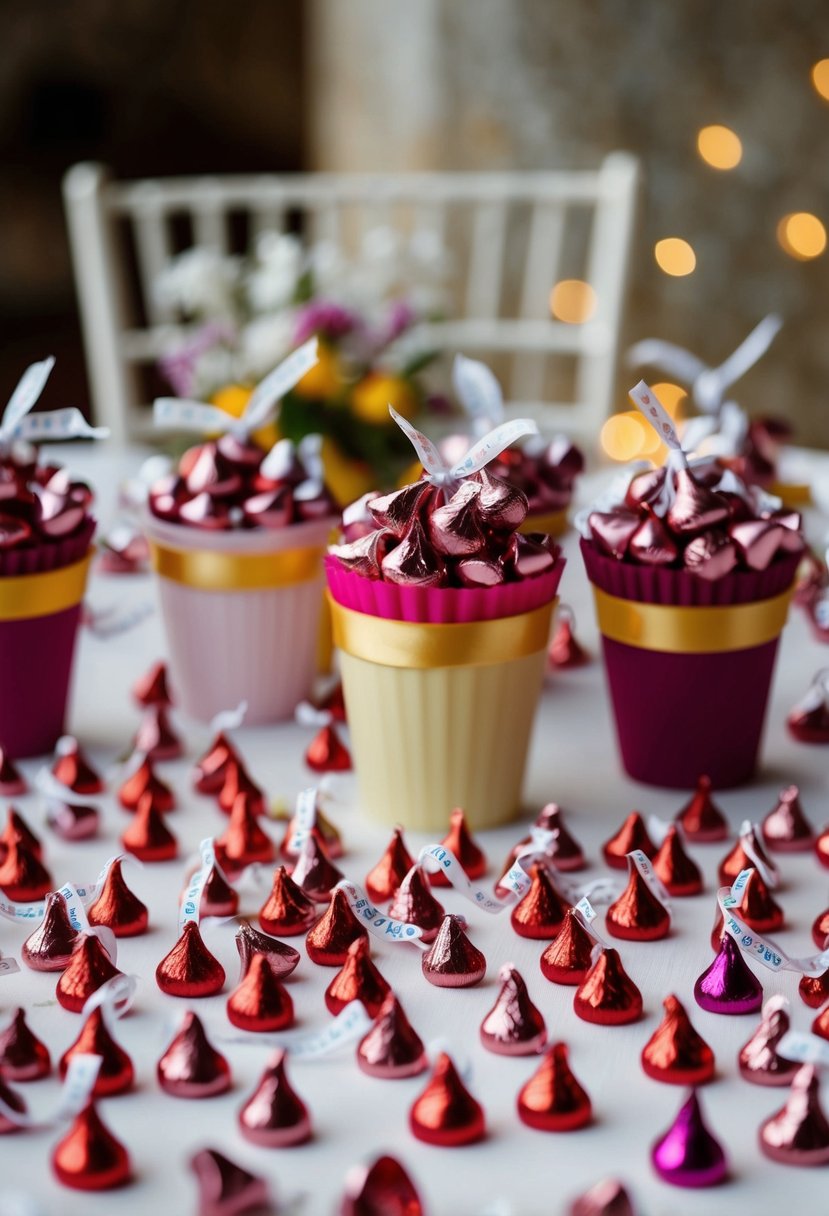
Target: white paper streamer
x,y
190,908
479,455
638,859
479,392
303,818
349,1025
114,998
804,1048
437,859
9,966
767,871
763,949
81,1075
19,423
229,719
386,928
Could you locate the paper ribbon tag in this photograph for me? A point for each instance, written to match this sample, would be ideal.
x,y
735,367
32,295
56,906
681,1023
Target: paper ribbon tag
x,y
229,719
804,1048
517,882
646,400
386,928
114,997
351,1024
81,1075
9,966
19,423
761,948
638,859
308,715
304,818
75,897
10,910
479,392
767,871
190,908
437,859
181,414
482,451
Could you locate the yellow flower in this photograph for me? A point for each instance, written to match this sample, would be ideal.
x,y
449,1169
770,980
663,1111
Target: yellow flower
x,y
371,398
232,400
412,473
325,379
346,479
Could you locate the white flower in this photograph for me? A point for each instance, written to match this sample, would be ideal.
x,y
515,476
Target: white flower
x,y
212,371
263,343
329,270
272,283
199,283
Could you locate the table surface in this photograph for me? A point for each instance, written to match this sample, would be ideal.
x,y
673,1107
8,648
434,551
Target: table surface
x,y
516,1171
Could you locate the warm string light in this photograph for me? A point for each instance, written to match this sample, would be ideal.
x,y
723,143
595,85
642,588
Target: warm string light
x,y
820,78
675,256
802,235
627,436
719,147
572,301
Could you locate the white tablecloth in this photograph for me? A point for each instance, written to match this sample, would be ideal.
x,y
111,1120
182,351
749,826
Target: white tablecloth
x,y
573,762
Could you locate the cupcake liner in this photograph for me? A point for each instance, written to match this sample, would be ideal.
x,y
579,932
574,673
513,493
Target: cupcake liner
x,y
440,605
36,656
48,555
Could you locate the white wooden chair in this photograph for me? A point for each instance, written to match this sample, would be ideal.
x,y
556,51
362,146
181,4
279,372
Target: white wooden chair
x,y
512,236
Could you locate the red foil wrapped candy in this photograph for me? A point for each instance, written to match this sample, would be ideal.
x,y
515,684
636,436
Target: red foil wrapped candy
x,y
445,1114
23,878
72,769
210,770
631,835
679,874
452,961
190,970
152,688
414,903
568,959
88,1157
89,967
260,1002
357,980
326,753
380,1189
462,843
148,838
607,995
328,940
675,1052
156,737
383,879
287,911
191,1067
116,1074
118,907
541,912
23,1057
274,1116
553,1100
144,780
565,651
314,871
513,1026
12,781
392,1048
244,842
701,819
637,915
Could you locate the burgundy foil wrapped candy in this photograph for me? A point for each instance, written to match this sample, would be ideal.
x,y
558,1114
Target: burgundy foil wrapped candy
x,y
786,828
392,1048
808,721
225,1188
23,1057
283,959
798,1134
274,1116
759,1061
513,1026
191,1067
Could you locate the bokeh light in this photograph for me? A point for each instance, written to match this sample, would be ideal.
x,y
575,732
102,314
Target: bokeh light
x,y
719,147
802,235
573,301
623,436
820,78
674,256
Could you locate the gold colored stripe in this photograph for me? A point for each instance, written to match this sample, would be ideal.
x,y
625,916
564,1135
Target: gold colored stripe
x,y
29,595
217,571
554,523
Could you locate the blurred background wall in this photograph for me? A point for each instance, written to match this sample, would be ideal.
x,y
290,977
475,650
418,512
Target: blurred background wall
x,y
213,86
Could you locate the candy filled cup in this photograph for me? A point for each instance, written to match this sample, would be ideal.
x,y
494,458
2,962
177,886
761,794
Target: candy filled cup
x,y
241,612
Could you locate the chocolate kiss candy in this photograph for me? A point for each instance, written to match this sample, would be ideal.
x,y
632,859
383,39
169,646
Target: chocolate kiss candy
x,y
50,946
324,828
17,829
383,880
758,541
152,688
563,850
759,909
260,1002
553,1100
798,1134
675,1052
89,967
155,736
326,753
249,941
528,556
612,531
328,941
414,563
365,555
694,508
22,1055
148,838
191,1067
270,508
651,544
786,829
567,960
116,1073
479,572
225,1188
607,995
244,842
398,510
71,821
190,970
414,902
452,961
12,781
814,989
445,1114
333,702
238,781
145,781
606,1198
14,1100
210,770
118,907
72,769
820,1026
459,839
809,722
56,515
314,871
89,1158
710,556
382,1189
631,835
22,877
287,911
637,915
206,471
688,1155
679,874
540,913
392,1048
565,652
738,859
503,507
701,819
217,897
758,1059
358,979
645,487
454,528
274,1115
822,849
728,985
513,1026
820,930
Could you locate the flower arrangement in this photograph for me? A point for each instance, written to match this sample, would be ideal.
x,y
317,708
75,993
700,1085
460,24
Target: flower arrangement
x,y
241,316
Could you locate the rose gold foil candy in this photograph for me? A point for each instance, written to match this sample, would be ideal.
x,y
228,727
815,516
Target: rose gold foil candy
x,y
470,855
503,507
365,554
638,915
326,753
606,1198
386,876
189,970
631,835
314,871
144,780
798,1134
274,1116
607,995
513,1026
225,1188
553,1100
710,556
116,1074
452,961
23,878
563,851
758,541
12,1099
479,572
786,828
675,1052
758,1060
72,769
612,530
679,874
391,1049
414,562
89,967
651,544
249,941
694,508
260,1002
49,947
243,842
568,959
12,781
758,907
528,556
152,688
455,527
117,907
542,910
287,911
191,1067
398,510
414,903
155,736
148,838
88,1157
328,940
445,1114
23,1057
701,819
380,1189
357,980
218,897
72,821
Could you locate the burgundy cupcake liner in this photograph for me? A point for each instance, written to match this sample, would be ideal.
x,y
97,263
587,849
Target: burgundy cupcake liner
x,y
49,555
36,656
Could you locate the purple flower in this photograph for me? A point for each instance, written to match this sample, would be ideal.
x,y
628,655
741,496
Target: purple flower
x,y
325,319
179,366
